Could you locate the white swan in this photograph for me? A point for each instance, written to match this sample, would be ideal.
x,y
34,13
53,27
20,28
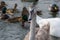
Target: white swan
x,y
54,25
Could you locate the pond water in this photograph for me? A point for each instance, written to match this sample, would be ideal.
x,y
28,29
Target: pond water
x,y
13,31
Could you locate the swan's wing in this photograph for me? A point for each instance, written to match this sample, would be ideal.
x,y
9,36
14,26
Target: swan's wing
x,y
38,19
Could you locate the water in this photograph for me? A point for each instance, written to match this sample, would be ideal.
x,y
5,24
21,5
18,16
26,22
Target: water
x,y
13,31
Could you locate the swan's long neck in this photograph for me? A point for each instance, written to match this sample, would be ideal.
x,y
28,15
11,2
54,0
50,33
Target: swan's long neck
x,y
32,28
33,23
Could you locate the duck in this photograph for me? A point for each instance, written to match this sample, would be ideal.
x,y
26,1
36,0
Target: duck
x,y
14,20
12,11
54,8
